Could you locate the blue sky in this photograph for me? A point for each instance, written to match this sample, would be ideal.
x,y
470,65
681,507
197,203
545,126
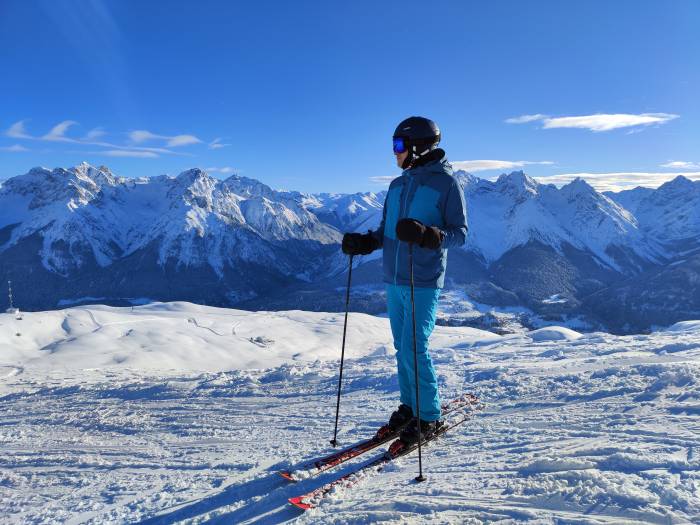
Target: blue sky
x,y
305,95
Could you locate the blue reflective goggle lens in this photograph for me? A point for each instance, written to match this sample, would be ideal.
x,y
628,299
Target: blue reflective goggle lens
x,y
400,145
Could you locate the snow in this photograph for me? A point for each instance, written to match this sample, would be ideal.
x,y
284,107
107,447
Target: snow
x,y
516,209
85,206
672,211
554,333
554,299
86,212
457,307
684,325
357,212
174,412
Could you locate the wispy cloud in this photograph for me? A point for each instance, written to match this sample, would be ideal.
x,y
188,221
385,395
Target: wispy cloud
x,y
682,165
94,134
17,131
58,132
142,135
597,122
217,144
522,119
485,165
128,153
16,148
617,181
382,179
608,122
182,140
224,170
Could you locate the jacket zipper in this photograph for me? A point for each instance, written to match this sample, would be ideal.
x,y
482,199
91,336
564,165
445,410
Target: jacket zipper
x,y
399,243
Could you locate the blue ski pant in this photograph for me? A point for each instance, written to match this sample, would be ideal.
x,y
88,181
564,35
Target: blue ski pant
x,y
400,316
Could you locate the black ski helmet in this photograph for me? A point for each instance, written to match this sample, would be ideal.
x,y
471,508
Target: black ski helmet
x,y
421,134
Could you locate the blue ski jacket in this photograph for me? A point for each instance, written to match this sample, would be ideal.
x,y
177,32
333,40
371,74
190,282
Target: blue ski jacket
x,y
432,195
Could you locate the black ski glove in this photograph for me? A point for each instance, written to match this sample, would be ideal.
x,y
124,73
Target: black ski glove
x,y
359,243
412,230
432,238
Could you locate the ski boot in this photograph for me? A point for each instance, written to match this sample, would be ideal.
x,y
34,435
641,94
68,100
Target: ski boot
x,y
409,435
399,419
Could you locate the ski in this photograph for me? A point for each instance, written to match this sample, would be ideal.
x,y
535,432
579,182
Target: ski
x,y
397,450
383,435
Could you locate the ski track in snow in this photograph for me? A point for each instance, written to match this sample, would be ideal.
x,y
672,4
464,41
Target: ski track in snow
x,y
581,429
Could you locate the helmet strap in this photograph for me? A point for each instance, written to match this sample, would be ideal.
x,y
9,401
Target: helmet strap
x,y
414,156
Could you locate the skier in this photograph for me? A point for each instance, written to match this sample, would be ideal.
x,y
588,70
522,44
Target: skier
x,y
424,206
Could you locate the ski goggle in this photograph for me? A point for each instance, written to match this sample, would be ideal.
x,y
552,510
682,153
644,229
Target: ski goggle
x,y
400,144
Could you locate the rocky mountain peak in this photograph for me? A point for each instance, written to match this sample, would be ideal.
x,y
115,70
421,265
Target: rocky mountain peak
x,y
192,175
579,188
518,183
465,178
98,177
247,187
679,184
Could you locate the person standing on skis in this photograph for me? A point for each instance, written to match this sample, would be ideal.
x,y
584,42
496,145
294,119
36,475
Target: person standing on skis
x,y
424,206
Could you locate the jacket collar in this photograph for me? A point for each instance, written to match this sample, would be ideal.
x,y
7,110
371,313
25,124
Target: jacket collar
x,y
434,161
435,155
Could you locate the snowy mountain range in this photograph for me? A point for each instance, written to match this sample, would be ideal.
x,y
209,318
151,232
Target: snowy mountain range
x,y
82,234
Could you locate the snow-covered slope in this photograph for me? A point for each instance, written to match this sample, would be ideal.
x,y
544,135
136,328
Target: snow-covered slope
x,y
179,337
176,413
114,216
629,199
190,236
356,212
672,212
194,218
70,235
516,209
63,206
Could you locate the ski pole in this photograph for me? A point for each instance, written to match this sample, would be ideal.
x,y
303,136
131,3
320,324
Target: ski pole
x,y
420,476
334,441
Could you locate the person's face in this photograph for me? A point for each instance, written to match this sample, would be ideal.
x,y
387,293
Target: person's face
x,y
400,158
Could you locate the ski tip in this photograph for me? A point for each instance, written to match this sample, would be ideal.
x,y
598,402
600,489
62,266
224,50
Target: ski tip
x,y
287,475
297,502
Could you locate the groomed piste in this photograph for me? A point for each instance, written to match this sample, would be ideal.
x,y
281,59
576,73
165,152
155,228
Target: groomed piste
x,y
173,412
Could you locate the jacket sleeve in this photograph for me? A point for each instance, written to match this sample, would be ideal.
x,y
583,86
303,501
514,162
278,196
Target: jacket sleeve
x,y
455,214
378,234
